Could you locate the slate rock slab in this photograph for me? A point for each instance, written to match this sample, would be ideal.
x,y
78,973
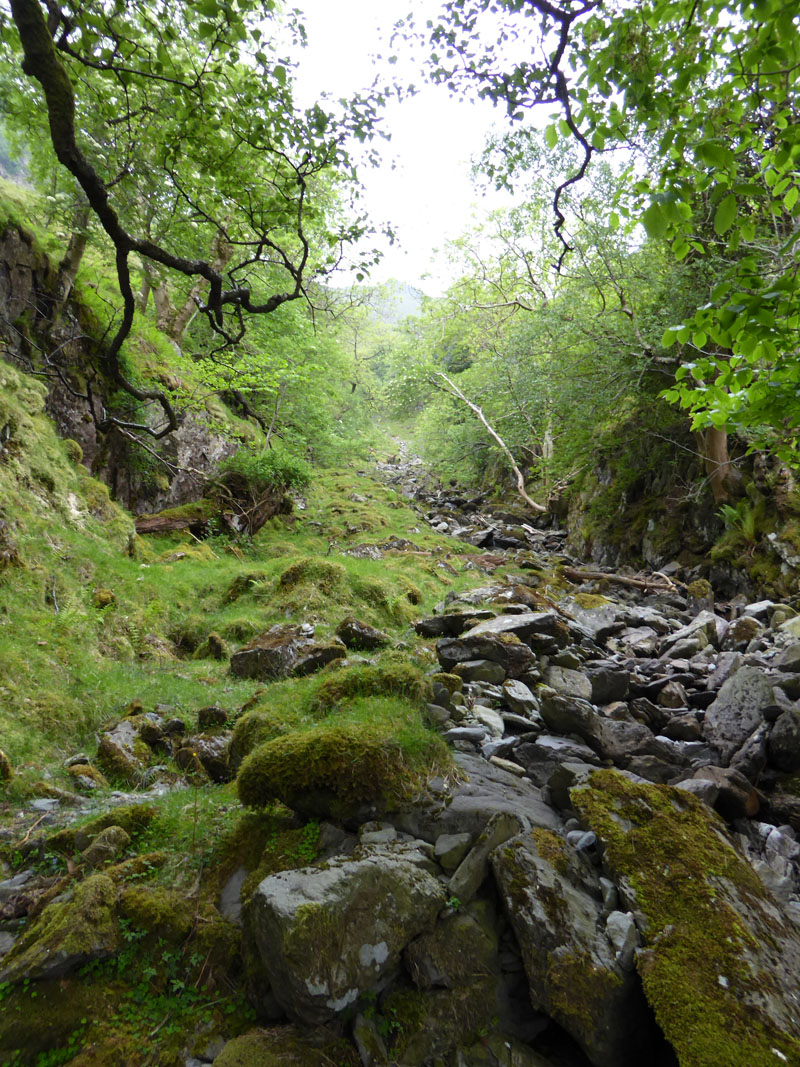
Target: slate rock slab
x,y
737,711
466,806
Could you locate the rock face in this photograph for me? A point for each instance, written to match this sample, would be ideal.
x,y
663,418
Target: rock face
x,y
328,936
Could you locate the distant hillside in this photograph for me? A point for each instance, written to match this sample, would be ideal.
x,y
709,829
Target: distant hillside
x,y
396,301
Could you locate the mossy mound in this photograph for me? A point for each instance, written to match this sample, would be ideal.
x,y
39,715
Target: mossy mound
x,y
284,1047
258,726
334,769
133,818
329,578
389,678
157,912
719,960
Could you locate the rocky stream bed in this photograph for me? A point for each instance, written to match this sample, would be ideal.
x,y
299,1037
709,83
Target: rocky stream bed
x,y
610,876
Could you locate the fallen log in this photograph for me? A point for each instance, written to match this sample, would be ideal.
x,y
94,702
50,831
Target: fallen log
x,y
656,583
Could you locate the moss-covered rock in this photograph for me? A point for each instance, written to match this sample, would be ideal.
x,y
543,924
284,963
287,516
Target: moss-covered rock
x,y
106,847
157,912
133,818
68,934
721,960
285,1047
329,771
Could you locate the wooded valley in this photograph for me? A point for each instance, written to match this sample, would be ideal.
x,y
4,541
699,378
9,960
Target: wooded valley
x,y
392,677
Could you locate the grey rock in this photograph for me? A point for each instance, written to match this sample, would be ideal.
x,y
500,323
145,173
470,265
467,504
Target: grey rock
x,y
360,635
737,711
556,913
450,625
473,869
608,683
230,900
466,733
327,936
466,806
623,935
491,719
541,630
703,788
281,651
520,699
783,746
450,849
513,656
568,682
789,659
569,715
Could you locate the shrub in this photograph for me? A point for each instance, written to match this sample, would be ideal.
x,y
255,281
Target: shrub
x,y
253,473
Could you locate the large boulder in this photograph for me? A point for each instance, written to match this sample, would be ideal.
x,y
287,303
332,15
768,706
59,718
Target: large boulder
x,y
327,936
720,962
284,650
737,711
553,900
504,648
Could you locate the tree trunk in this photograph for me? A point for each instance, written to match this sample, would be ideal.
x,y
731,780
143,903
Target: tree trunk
x,y
221,252
455,391
722,476
69,265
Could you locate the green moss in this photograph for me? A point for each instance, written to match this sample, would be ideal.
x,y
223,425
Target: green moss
x,y
82,929
699,589
343,764
707,912
133,818
451,682
158,912
256,727
553,848
389,678
285,1047
328,577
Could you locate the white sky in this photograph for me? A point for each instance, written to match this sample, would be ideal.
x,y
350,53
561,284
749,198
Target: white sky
x,y
428,197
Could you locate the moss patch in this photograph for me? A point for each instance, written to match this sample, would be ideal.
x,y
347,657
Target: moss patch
x,y
708,915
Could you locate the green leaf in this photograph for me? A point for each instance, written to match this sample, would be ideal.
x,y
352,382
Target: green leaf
x,y
725,214
613,222
655,221
551,136
791,198
699,338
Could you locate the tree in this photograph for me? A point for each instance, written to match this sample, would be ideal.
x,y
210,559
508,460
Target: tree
x,y
721,179
177,125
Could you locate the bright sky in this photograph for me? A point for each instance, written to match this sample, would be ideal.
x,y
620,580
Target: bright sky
x,y
428,196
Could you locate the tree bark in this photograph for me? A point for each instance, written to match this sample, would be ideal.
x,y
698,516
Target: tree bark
x,y
455,391
713,447
69,265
